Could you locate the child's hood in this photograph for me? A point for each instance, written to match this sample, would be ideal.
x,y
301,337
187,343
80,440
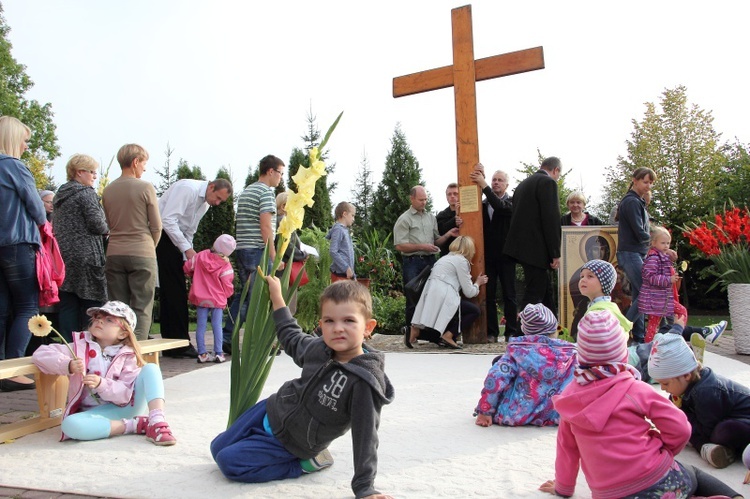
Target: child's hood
x,y
590,406
370,367
210,261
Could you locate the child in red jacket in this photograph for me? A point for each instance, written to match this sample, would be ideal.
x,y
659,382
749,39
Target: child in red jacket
x,y
213,284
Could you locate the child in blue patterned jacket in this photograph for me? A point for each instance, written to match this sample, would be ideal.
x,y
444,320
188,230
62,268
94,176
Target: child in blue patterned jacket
x,y
519,386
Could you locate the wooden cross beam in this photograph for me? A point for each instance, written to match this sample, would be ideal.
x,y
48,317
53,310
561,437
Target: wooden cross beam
x,y
462,76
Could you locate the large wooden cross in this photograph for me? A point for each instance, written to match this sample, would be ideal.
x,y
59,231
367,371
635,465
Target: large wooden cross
x,y
462,76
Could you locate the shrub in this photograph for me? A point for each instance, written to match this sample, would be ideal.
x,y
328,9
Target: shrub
x,y
389,312
319,274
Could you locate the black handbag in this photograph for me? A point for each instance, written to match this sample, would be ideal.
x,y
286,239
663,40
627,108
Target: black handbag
x,y
413,289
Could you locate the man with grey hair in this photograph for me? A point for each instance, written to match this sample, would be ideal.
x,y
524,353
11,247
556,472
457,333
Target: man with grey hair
x,y
416,236
497,209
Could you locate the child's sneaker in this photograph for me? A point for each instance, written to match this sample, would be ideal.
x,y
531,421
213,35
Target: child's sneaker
x,y
715,330
160,434
205,357
717,455
320,462
219,358
698,344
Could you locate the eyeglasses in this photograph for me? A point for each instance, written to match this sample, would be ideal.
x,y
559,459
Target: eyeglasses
x,y
279,172
92,172
107,319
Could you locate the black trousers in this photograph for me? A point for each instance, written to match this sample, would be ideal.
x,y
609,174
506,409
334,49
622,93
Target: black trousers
x,y
504,271
538,288
172,290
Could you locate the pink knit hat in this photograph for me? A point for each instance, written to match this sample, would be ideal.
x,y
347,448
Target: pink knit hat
x,y
601,339
225,244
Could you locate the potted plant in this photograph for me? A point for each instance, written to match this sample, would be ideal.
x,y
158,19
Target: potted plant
x,y
374,262
724,240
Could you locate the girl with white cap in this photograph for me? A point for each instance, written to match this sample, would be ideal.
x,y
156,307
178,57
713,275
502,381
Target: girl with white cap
x,y
110,384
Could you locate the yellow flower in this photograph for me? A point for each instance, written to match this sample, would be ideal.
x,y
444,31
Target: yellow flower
x,y
39,325
319,168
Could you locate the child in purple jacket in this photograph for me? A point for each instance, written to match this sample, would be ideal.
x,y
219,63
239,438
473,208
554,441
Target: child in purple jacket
x,y
657,298
519,387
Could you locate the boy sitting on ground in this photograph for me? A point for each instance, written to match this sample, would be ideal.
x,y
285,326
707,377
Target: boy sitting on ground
x,y
342,386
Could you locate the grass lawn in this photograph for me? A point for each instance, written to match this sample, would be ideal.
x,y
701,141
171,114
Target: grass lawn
x,y
705,320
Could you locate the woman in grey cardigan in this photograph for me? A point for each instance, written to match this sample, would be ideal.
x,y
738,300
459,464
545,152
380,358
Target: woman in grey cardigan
x,y
80,227
441,307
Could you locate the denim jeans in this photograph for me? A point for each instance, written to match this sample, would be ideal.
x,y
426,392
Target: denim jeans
x,y
410,268
248,260
19,297
632,263
246,452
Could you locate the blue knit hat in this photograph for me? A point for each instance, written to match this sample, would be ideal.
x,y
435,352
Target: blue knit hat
x,y
670,357
537,319
605,272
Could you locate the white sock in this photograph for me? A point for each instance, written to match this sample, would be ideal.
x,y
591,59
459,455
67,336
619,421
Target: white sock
x,y
156,416
130,425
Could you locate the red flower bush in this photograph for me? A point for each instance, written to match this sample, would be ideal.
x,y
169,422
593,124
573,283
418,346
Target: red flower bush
x,y
725,241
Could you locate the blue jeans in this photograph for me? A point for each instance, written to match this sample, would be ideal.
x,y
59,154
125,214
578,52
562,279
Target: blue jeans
x,y
247,261
202,314
19,297
246,452
632,263
411,266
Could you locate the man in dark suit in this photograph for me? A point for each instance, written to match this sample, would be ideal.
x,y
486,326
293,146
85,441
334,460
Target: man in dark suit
x,y
448,218
534,236
497,209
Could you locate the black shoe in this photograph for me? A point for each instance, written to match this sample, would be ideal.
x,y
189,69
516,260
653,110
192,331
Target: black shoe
x,y
444,343
188,352
8,385
407,336
226,348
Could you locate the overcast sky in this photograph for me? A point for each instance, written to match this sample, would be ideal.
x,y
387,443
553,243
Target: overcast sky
x,y
227,82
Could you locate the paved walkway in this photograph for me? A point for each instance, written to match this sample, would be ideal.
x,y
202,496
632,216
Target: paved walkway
x,y
15,406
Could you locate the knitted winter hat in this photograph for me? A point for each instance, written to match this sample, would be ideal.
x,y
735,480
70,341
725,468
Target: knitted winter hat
x,y
117,309
538,319
670,357
601,339
225,244
605,272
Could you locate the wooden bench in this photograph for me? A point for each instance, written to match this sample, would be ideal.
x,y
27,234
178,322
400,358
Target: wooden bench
x,y
52,389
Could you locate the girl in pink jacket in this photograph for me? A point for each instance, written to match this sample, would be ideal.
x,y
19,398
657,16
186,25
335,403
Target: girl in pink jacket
x,y
610,417
110,385
213,284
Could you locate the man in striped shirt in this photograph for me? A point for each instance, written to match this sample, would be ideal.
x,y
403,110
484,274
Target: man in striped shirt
x,y
255,226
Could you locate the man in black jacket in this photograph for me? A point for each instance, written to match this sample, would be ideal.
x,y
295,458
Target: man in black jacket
x,y
448,218
534,235
496,214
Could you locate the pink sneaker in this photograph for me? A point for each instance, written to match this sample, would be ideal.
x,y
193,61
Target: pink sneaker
x,y
160,434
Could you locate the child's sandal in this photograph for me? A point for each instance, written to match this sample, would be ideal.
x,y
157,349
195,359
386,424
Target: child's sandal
x,y
142,425
160,434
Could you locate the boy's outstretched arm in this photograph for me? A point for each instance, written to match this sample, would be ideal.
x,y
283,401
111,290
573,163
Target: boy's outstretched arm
x,y
274,289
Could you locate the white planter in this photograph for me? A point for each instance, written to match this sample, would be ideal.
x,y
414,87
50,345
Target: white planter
x,y
739,312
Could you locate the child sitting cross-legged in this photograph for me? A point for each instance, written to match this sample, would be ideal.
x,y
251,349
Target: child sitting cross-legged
x,y
718,408
342,386
110,385
519,386
609,417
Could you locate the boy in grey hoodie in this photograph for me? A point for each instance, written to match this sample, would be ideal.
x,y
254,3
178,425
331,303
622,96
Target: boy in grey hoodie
x,y
342,249
342,386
